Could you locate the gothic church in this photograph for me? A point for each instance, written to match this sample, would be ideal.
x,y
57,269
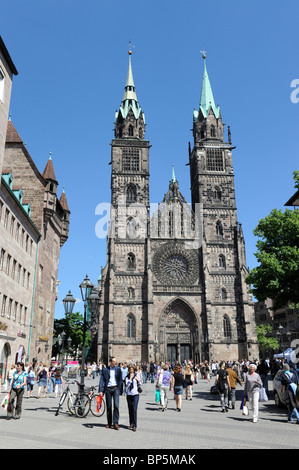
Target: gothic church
x,y
174,285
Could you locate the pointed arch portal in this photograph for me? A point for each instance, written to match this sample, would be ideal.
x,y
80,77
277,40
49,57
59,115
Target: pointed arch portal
x,y
179,336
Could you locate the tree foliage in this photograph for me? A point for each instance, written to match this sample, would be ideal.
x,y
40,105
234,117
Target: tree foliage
x,y
277,276
266,341
73,331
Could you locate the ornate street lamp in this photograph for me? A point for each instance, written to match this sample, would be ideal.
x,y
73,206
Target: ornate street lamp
x,y
91,300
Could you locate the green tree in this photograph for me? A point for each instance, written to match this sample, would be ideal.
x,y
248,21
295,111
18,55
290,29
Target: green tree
x,y
277,276
266,341
296,179
75,332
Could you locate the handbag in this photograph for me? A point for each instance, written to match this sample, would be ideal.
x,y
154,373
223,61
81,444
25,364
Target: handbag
x,y
263,395
245,410
157,396
139,389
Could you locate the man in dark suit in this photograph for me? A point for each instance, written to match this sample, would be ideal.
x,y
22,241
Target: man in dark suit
x,y
110,384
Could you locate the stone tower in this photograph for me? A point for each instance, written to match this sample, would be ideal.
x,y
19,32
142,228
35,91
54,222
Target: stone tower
x,y
174,285
228,315
124,297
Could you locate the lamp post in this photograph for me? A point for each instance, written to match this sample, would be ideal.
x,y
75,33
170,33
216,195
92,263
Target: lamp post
x,y
90,300
279,335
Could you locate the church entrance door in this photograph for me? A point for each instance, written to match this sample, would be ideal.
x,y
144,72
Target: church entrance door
x,y
185,352
172,353
178,333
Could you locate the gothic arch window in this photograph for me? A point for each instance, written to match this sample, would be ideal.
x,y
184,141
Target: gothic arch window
x,y
221,261
227,332
217,193
131,326
131,228
131,261
213,131
219,229
131,195
131,293
130,130
223,294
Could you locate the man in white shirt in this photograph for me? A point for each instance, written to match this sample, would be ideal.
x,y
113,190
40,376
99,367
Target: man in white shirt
x,y
110,384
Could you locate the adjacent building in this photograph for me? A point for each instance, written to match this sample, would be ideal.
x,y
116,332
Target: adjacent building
x,y
34,225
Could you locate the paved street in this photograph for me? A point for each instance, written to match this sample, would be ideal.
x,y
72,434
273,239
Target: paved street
x,y
200,425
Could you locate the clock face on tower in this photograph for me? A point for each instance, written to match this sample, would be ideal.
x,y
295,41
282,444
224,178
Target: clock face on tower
x,y
174,265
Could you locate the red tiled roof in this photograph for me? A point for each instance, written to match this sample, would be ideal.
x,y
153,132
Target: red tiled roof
x,y
49,173
63,202
11,134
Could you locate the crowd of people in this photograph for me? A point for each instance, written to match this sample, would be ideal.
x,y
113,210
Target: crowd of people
x,y
127,379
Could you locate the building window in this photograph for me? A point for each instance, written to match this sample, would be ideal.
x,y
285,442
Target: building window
x,y
6,218
4,299
9,308
223,294
17,231
221,261
2,259
217,193
13,270
214,159
213,131
131,261
15,311
40,274
2,81
131,195
219,229
130,160
131,293
226,327
8,259
131,326
12,223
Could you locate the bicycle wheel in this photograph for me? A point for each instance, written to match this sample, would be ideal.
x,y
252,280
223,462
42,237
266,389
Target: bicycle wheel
x,y
61,401
95,408
71,404
82,405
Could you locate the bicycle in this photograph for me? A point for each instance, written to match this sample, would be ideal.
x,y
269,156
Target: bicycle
x,y
78,404
97,403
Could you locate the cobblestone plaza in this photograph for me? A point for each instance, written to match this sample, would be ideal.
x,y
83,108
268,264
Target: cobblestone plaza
x,y
200,425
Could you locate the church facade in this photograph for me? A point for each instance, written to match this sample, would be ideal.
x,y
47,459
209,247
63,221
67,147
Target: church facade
x,y
174,284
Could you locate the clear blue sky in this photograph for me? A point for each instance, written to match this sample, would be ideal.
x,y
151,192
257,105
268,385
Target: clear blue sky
x,y
72,61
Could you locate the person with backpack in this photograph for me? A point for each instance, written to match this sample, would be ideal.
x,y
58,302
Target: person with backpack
x,y
223,386
289,388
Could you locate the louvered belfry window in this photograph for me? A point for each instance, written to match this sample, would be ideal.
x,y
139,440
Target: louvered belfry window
x,y
130,159
214,159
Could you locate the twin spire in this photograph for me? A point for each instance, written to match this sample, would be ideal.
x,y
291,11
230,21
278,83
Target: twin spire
x,y
129,100
206,98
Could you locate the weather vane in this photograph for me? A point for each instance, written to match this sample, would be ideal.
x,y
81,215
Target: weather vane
x,y
204,54
130,47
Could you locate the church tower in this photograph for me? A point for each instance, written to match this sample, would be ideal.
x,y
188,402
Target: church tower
x,y
123,312
228,315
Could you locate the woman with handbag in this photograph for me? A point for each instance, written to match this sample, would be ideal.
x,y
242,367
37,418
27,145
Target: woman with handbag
x,y
189,382
133,389
223,386
177,385
16,392
253,383
163,383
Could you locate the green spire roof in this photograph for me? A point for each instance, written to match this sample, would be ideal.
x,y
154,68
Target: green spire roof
x,y
129,100
206,98
173,178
